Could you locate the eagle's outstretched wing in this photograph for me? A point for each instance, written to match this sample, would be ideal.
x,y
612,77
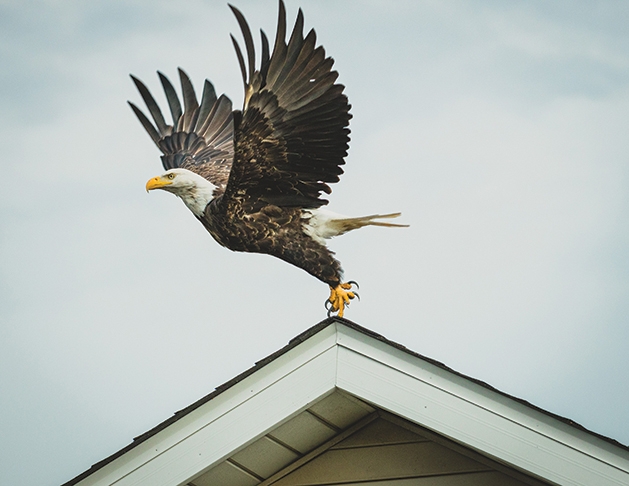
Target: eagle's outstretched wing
x,y
201,138
293,135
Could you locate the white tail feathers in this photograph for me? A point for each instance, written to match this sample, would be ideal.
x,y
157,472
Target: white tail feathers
x,y
347,224
321,224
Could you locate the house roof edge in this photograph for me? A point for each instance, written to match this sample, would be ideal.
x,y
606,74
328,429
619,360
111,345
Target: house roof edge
x,y
297,340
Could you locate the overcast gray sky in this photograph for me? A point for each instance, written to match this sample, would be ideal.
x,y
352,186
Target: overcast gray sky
x,y
499,129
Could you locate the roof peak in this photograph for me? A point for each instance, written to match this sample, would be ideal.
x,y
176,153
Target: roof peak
x,y
338,354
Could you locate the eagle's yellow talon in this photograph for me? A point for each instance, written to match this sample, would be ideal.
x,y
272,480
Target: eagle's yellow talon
x,y
340,297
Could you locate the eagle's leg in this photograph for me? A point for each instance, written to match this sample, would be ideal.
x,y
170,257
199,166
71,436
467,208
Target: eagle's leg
x,y
340,297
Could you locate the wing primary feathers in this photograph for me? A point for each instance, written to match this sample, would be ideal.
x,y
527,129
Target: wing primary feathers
x,y
295,43
241,61
156,113
280,34
207,101
300,68
264,62
148,126
279,48
246,33
218,112
221,112
171,96
306,53
190,103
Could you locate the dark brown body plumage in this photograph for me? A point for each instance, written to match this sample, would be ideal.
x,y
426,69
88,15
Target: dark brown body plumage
x,y
274,231
272,160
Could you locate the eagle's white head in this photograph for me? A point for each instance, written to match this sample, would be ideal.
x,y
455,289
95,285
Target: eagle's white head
x,y
195,191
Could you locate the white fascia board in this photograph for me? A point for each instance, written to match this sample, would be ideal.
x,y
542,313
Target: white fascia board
x,y
475,416
231,420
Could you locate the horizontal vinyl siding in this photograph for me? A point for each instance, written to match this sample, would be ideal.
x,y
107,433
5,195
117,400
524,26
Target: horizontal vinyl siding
x,y
384,454
490,478
381,462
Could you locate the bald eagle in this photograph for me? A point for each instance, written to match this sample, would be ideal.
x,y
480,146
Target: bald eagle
x,y
254,178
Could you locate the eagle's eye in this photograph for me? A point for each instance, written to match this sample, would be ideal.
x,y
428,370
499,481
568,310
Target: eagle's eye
x,y
171,176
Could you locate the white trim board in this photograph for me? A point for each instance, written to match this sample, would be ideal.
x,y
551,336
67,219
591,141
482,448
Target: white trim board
x,y
475,416
339,354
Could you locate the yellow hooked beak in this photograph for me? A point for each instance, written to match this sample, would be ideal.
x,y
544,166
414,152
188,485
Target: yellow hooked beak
x,y
157,183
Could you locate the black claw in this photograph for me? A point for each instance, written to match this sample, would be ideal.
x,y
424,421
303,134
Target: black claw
x,y
328,305
330,310
352,282
356,295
